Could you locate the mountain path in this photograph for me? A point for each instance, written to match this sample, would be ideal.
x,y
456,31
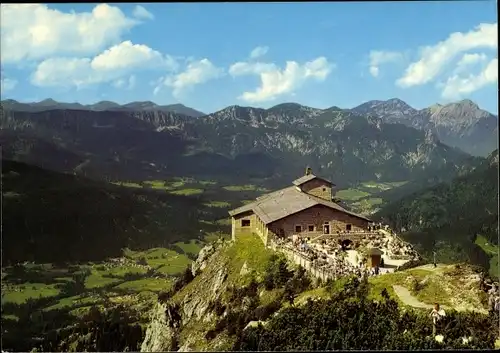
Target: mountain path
x,y
408,299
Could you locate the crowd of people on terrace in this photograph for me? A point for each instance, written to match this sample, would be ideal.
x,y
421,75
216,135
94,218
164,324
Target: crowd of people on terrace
x,y
331,257
493,297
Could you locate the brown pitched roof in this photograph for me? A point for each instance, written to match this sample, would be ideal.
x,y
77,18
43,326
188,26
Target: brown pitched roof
x,y
285,202
309,177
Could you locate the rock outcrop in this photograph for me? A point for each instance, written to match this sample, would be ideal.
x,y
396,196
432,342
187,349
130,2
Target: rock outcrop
x,y
161,333
172,324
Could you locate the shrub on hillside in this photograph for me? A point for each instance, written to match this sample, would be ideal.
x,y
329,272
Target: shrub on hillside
x,y
276,273
185,278
238,294
263,312
350,321
218,308
132,276
164,296
416,285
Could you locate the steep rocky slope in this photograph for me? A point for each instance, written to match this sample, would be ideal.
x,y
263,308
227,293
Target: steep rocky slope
x,y
184,320
462,124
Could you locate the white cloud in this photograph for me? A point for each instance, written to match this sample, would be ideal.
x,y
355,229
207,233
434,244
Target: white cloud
x,y
469,60
126,84
378,58
434,58
131,82
127,55
7,84
276,81
245,68
258,52
34,31
142,14
457,86
112,64
196,73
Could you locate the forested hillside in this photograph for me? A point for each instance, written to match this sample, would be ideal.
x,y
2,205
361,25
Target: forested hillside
x,y
54,217
448,217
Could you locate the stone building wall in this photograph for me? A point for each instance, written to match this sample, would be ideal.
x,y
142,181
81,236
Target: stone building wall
x,y
319,188
316,217
256,226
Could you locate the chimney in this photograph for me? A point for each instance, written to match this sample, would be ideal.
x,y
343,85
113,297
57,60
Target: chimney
x,y
308,171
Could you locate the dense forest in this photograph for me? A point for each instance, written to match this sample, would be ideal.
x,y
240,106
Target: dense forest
x,y
451,215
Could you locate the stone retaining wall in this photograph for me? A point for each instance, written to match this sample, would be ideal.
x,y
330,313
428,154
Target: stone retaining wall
x,y
305,262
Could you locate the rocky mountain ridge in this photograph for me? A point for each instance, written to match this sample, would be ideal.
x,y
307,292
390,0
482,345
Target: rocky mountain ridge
x,y
50,104
461,124
340,144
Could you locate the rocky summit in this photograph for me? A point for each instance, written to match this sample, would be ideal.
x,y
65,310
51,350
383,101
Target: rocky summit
x,y
461,124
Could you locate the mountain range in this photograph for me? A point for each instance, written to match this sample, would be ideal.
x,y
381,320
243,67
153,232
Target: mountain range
x,y
50,104
241,142
461,124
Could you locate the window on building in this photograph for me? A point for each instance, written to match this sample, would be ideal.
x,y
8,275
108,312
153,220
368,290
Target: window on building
x,y
348,226
245,223
298,229
310,228
324,189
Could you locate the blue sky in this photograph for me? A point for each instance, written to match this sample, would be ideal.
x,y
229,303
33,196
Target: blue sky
x,y
209,56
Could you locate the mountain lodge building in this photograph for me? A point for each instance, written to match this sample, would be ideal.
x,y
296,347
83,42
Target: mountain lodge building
x,y
305,209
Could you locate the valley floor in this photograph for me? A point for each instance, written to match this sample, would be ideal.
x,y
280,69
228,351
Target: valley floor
x,y
136,278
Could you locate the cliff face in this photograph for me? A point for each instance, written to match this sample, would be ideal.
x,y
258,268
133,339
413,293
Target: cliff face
x,y
160,334
183,322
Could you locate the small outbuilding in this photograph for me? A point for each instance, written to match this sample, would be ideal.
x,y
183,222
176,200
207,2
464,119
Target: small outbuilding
x,y
373,257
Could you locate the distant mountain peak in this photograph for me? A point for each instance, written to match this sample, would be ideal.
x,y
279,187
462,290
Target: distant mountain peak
x,y
177,105
235,106
395,100
390,104
435,107
141,104
466,104
469,103
9,101
48,101
106,102
287,105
